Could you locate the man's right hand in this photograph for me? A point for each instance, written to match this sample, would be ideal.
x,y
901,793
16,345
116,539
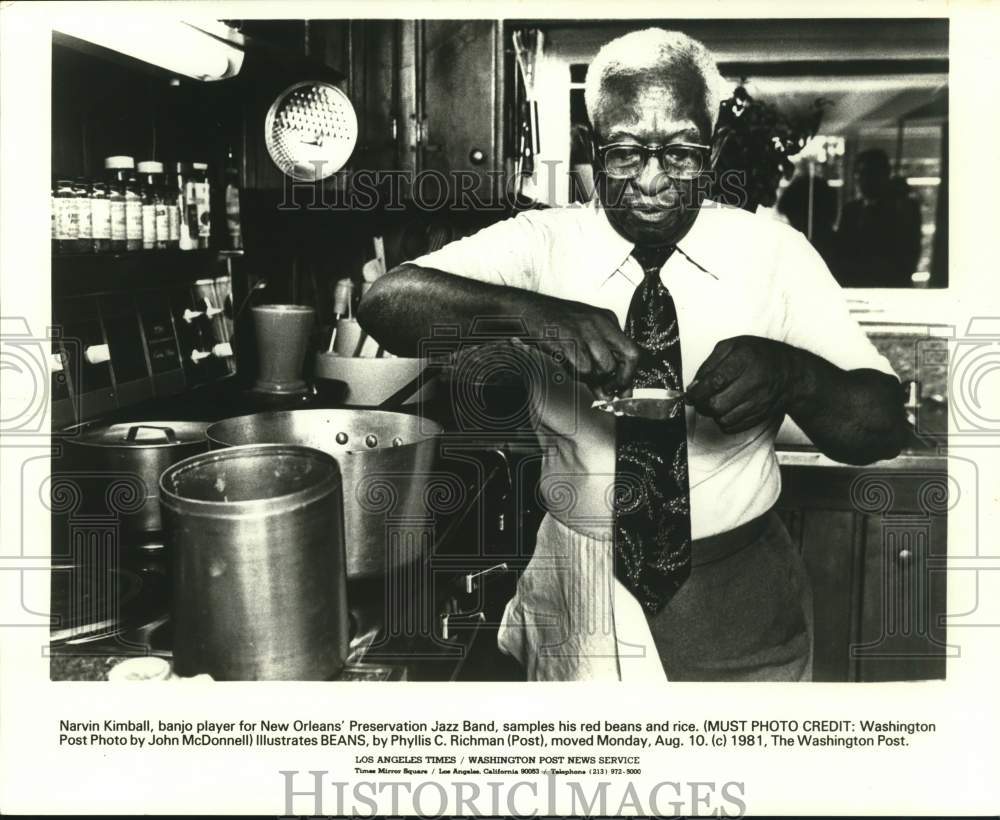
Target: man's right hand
x,y
588,342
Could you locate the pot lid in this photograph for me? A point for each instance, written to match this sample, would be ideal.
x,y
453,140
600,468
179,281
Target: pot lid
x,y
144,434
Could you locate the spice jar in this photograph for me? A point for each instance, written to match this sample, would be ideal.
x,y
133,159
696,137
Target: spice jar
x,y
170,199
100,217
116,173
66,226
85,234
52,214
198,186
155,224
186,240
133,213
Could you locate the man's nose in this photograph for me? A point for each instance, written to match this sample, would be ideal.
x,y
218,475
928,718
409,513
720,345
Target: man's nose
x,y
653,179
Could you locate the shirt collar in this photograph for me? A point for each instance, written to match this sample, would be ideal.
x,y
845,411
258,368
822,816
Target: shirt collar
x,y
612,250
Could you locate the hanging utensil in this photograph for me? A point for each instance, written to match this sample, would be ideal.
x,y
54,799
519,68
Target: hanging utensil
x,y
311,130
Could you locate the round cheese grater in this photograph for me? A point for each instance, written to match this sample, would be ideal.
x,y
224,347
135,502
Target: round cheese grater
x,y
310,130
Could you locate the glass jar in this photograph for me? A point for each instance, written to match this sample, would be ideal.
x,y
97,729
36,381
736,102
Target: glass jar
x,y
116,173
155,223
200,195
173,214
100,217
85,233
186,240
66,226
133,213
52,214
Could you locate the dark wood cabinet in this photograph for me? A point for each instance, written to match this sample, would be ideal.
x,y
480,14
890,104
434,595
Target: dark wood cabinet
x,y
462,95
874,541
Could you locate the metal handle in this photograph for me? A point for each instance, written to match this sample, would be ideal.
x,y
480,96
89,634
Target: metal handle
x,y
473,579
133,432
451,619
97,354
502,454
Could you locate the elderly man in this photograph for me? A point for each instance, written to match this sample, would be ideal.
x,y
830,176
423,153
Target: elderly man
x,y
660,555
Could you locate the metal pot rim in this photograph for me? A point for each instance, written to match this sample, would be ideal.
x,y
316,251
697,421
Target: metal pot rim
x,y
429,429
194,506
283,308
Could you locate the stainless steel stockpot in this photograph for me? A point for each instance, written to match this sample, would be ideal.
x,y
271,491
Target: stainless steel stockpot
x,y
387,461
259,582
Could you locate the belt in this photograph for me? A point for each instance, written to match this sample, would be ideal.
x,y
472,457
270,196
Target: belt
x,y
724,544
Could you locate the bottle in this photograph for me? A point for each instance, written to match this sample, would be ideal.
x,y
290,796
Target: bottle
x,y
116,172
232,198
170,196
155,228
52,215
100,217
201,198
182,171
85,234
133,213
67,227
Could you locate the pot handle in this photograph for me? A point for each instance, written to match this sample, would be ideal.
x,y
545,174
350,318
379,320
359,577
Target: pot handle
x,y
133,432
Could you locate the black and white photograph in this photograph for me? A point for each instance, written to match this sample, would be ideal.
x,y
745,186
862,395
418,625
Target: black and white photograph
x,y
494,348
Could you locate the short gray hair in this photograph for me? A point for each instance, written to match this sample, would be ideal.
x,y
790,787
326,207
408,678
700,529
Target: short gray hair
x,y
648,56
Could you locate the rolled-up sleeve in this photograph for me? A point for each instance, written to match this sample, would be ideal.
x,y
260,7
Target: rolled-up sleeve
x,y
506,253
816,316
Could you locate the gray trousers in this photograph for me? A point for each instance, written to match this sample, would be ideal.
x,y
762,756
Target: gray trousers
x,y
745,615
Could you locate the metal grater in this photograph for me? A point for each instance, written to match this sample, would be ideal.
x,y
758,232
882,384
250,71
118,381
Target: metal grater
x,y
311,130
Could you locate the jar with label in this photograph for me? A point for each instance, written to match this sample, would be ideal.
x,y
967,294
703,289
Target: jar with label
x,y
52,214
100,217
133,213
67,228
186,240
170,198
85,234
155,225
232,194
202,203
116,173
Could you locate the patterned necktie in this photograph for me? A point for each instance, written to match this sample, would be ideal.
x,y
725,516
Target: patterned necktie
x,y
652,520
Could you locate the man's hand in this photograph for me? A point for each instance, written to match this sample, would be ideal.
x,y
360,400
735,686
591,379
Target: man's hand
x,y
589,343
744,381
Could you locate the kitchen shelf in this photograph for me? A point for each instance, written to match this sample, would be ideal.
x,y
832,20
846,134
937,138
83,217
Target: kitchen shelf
x,y
79,274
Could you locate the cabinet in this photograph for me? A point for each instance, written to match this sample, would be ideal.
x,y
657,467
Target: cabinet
x,y
428,94
130,327
874,542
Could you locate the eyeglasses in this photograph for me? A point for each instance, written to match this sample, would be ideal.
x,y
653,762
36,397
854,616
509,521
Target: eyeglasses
x,y
681,160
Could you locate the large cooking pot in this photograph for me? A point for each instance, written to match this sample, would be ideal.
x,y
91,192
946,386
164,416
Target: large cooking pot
x,y
119,466
259,588
387,462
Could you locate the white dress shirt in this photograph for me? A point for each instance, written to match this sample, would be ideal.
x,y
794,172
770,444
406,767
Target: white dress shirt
x,y
733,274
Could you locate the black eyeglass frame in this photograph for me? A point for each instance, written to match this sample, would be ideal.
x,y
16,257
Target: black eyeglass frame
x,y
600,152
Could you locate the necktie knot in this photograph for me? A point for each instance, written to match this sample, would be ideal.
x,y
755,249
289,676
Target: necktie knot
x,y
651,258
